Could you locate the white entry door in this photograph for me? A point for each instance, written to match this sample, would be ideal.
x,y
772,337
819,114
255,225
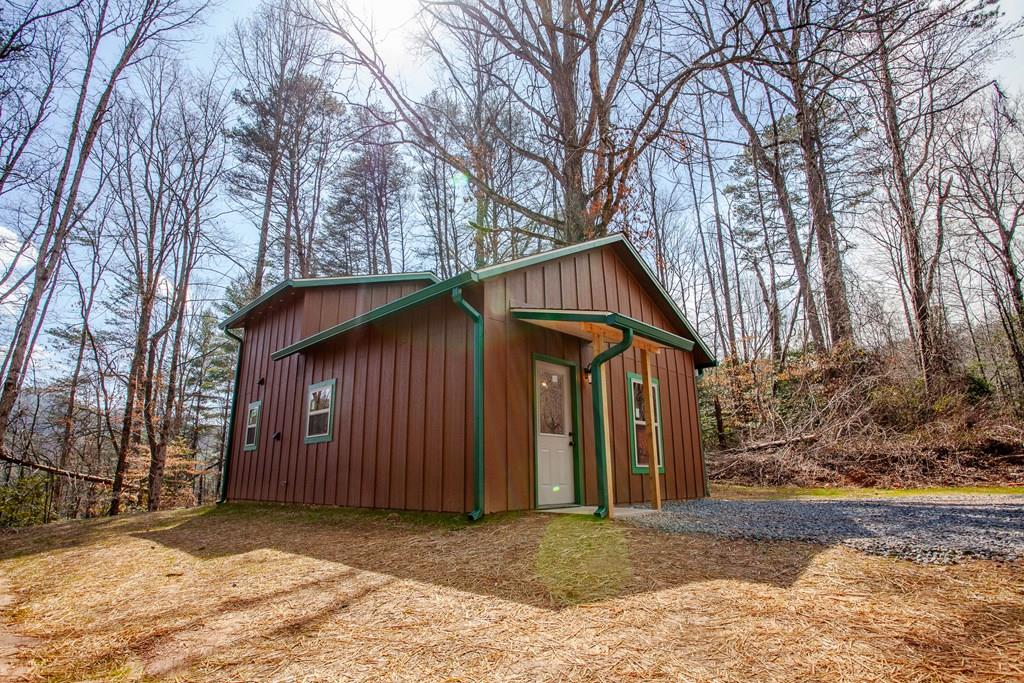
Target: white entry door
x,y
555,472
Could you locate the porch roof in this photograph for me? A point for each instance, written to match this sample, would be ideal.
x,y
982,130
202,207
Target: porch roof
x,y
587,324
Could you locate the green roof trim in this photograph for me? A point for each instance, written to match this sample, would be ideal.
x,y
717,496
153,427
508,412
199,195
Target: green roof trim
x,y
486,273
618,320
299,283
408,301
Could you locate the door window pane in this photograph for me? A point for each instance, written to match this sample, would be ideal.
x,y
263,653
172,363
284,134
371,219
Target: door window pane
x,y
551,392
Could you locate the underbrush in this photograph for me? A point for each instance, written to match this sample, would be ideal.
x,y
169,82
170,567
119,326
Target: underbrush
x,y
854,418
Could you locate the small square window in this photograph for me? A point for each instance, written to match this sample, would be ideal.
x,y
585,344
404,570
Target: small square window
x,y
252,425
320,412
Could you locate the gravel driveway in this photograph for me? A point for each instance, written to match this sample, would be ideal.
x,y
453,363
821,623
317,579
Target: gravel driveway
x,y
932,529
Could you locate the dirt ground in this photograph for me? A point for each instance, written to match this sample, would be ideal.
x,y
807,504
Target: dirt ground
x,y
297,594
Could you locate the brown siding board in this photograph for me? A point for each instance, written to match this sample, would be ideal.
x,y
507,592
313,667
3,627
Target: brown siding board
x,y
372,412
385,419
277,376
345,368
496,411
274,408
417,410
362,354
454,415
403,398
433,456
519,381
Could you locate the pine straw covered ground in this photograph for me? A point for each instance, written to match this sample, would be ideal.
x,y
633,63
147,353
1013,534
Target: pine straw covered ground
x,y
272,593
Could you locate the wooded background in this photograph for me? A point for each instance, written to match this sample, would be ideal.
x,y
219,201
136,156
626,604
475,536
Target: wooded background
x,y
832,190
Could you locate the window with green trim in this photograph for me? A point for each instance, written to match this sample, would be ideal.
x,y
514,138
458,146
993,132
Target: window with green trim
x,y
638,425
252,425
320,412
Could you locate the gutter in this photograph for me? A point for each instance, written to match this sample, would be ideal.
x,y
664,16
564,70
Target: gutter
x,y
229,441
599,427
478,403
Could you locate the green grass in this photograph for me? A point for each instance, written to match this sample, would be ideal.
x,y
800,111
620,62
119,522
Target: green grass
x,y
582,559
739,492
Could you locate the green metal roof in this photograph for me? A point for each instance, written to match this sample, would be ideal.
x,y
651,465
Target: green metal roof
x,y
298,283
617,320
443,287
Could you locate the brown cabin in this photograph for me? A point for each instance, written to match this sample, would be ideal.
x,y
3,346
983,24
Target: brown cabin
x,y
475,394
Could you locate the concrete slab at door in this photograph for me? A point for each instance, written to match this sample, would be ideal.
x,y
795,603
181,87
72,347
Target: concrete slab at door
x,y
553,410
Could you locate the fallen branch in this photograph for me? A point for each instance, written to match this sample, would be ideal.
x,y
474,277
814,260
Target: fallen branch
x,y
772,444
56,470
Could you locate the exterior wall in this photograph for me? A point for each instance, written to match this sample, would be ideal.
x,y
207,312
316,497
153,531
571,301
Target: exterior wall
x,y
402,414
599,280
327,306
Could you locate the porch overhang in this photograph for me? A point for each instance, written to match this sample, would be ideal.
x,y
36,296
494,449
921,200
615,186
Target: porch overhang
x,y
608,325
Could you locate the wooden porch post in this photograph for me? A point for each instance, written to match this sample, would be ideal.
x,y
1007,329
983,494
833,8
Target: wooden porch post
x,y
609,470
652,439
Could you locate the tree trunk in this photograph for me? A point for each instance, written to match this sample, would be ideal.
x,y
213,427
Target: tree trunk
x,y
919,288
777,178
131,394
723,261
840,323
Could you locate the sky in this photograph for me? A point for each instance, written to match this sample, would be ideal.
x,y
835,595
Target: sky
x,y
395,25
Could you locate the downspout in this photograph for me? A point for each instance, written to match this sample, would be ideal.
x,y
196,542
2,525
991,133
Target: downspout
x,y
599,427
225,459
478,403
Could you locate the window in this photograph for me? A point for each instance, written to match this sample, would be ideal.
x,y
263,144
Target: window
x,y
638,425
252,425
320,412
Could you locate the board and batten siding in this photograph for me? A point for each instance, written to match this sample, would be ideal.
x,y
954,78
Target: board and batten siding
x,y
598,280
402,414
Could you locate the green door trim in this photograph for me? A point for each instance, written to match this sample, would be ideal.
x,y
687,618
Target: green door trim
x,y
576,401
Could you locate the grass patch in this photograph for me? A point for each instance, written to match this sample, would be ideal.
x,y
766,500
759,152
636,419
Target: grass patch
x,y
583,559
740,492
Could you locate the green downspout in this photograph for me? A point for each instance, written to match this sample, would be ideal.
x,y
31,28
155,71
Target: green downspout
x,y
599,426
478,403
225,460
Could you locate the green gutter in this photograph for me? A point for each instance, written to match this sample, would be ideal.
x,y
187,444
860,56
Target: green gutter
x,y
225,460
478,403
599,427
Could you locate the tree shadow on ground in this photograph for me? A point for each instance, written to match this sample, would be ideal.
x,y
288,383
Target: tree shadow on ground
x,y
538,560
